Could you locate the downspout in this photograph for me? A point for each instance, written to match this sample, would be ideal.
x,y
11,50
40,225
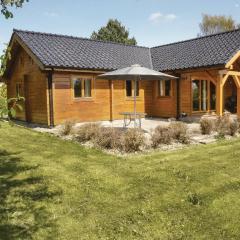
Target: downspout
x,y
111,99
50,97
178,94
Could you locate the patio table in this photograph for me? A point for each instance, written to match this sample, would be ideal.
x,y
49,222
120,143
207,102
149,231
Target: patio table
x,y
131,116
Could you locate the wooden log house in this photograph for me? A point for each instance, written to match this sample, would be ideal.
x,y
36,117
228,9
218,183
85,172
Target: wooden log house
x,y
57,76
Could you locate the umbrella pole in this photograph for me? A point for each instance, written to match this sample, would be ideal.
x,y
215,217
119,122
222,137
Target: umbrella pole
x,y
135,101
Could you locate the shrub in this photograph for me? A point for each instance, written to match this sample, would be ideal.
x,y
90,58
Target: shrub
x,y
161,135
108,138
233,127
133,140
223,125
206,126
87,132
179,132
67,128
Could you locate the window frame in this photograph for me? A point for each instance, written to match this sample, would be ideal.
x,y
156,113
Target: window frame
x,y
164,88
18,89
132,90
208,95
83,92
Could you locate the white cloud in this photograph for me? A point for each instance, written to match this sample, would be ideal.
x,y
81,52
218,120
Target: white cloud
x,y
157,17
51,14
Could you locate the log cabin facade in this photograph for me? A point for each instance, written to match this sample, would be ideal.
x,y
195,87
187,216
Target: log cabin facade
x,y
57,76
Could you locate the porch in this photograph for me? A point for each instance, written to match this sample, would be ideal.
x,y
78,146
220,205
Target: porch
x,y
214,91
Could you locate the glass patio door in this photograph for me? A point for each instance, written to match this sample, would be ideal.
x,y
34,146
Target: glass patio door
x,y
202,92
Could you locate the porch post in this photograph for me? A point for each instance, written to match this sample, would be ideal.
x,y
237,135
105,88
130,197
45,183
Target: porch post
x,y
219,96
238,102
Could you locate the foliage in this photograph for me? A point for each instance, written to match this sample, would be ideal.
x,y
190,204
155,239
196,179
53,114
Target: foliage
x,y
54,189
4,58
179,132
133,140
3,91
114,31
107,137
5,4
161,135
67,128
207,126
223,125
9,107
216,24
87,132
233,127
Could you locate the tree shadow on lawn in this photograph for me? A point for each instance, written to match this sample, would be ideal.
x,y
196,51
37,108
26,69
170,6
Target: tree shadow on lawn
x,y
23,198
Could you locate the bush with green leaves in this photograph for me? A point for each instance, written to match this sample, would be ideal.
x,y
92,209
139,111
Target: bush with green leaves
x,y
207,126
67,128
133,140
87,132
161,135
179,132
9,107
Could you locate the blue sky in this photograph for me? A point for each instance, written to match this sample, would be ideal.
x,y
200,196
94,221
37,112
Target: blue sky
x,y
152,22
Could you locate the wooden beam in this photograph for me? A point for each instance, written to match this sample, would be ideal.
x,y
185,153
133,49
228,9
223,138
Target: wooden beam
x,y
224,79
219,96
238,102
234,73
211,77
233,60
75,70
236,80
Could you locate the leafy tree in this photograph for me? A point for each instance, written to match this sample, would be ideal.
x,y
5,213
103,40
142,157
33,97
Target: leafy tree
x,y
5,4
114,31
216,24
8,107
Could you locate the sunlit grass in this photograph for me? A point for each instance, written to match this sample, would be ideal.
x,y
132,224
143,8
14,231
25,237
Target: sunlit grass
x,y
53,189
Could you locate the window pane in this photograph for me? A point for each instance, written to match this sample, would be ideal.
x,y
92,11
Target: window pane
x,y
129,88
212,96
168,88
18,90
204,95
161,88
77,88
196,95
87,88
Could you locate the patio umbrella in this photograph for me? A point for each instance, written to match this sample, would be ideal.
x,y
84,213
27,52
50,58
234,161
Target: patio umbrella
x,y
136,73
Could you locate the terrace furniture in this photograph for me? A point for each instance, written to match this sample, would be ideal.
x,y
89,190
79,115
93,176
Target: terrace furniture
x,y
128,117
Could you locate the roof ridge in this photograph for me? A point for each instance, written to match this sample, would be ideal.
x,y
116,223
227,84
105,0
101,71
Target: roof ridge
x,y
196,38
75,37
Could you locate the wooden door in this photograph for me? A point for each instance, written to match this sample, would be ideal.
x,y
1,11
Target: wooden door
x,y
28,115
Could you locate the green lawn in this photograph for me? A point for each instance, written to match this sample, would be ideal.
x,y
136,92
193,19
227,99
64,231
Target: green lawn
x,y
52,189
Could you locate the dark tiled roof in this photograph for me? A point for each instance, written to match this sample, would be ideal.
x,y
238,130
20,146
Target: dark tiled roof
x,y
211,50
79,53
62,51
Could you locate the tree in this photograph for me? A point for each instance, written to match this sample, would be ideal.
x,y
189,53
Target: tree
x,y
212,24
5,4
114,31
8,107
